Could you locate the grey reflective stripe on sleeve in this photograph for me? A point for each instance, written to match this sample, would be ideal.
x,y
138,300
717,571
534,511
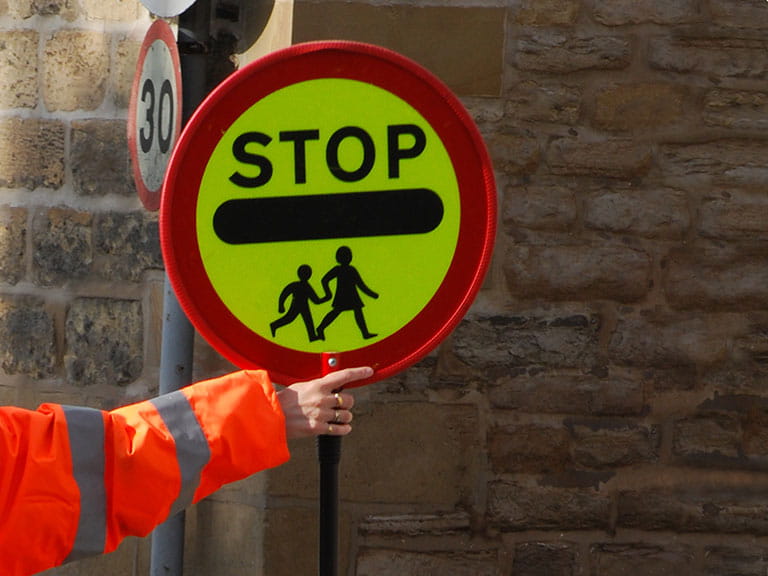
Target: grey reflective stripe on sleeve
x,y
86,442
192,451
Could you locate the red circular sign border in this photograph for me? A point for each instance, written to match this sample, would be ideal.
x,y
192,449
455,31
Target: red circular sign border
x,y
159,30
315,60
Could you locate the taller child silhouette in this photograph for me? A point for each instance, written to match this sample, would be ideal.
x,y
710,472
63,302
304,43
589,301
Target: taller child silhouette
x,y
346,296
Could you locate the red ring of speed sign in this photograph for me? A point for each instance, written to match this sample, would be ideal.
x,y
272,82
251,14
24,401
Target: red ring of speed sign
x,y
154,113
352,160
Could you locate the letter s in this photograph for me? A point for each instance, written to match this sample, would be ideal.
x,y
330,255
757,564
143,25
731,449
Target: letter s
x,y
241,154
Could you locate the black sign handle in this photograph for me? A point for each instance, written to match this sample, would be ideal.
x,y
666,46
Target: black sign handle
x,y
329,456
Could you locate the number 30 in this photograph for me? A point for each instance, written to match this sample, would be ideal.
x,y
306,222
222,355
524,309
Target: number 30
x,y
163,121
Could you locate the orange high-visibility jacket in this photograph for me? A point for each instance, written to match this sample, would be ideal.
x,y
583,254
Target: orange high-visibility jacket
x,y
75,481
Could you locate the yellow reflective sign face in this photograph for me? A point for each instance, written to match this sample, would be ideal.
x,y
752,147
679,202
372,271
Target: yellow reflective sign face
x,y
328,215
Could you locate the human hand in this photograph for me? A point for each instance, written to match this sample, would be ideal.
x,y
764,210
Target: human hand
x,y
314,407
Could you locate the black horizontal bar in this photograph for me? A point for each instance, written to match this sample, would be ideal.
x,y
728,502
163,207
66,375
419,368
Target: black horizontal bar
x,y
323,216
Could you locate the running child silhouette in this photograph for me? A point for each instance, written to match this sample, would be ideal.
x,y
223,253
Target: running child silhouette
x,y
346,297
301,294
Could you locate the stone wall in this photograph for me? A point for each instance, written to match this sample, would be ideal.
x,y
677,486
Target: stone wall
x,y
601,410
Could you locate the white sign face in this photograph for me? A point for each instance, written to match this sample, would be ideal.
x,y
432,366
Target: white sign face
x,y
155,112
167,8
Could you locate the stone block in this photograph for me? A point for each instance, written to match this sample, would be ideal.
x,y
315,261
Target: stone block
x,y
556,52
736,109
738,15
711,437
640,107
603,272
623,12
292,543
123,70
568,394
31,153
716,280
114,11
697,506
550,558
741,560
104,341
734,216
655,213
612,158
13,244
607,444
519,506
710,56
27,337
66,9
514,154
544,101
500,345
725,162
75,70
374,562
223,538
545,13
529,448
641,558
539,206
62,246
100,159
674,342
18,68
126,245
411,31
425,456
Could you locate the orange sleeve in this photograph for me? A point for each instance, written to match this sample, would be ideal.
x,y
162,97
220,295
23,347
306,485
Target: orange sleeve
x,y
251,438
241,422
39,499
149,460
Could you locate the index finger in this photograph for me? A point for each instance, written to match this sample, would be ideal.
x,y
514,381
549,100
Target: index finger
x,y
340,378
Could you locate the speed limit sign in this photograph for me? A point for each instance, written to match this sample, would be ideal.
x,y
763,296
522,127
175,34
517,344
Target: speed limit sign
x,y
167,8
154,114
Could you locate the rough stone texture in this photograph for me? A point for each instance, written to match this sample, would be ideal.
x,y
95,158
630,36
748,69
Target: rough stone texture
x,y
100,158
126,245
27,337
104,341
18,68
62,243
746,561
556,51
649,213
373,562
639,107
13,244
740,109
618,158
75,70
535,558
622,12
616,559
31,153
578,272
